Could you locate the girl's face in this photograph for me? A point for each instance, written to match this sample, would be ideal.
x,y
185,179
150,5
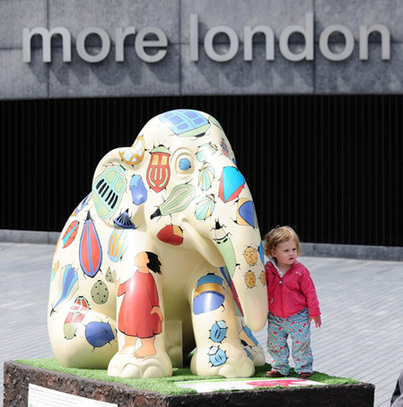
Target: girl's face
x,y
285,253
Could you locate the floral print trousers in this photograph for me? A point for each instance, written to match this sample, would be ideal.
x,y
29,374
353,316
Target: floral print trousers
x,y
298,328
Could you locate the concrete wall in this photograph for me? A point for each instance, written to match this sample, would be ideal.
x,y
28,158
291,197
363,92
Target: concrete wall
x,y
176,73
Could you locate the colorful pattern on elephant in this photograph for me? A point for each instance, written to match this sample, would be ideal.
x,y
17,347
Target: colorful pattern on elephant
x,y
209,294
246,214
108,190
261,252
98,334
55,269
99,292
69,284
206,177
247,337
75,317
205,151
225,247
231,184
171,234
90,249
217,356
205,207
218,331
237,303
138,190
135,154
70,234
250,255
177,201
186,123
82,204
158,171
227,151
117,244
250,279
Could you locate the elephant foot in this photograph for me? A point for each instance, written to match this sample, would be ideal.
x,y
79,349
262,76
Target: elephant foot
x,y
258,356
219,363
129,366
145,351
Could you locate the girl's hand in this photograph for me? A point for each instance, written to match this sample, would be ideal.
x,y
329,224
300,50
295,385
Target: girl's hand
x,y
317,319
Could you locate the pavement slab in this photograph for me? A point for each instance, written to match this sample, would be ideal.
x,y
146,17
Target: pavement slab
x,y
361,335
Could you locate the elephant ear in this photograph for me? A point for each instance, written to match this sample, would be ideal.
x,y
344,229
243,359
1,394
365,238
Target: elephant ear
x,y
111,182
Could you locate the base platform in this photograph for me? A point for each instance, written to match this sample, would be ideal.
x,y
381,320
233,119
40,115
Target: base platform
x,y
17,378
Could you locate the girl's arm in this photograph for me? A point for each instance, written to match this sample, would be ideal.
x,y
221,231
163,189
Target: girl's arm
x,y
308,289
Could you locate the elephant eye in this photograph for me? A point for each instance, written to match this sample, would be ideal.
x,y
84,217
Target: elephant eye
x,y
184,164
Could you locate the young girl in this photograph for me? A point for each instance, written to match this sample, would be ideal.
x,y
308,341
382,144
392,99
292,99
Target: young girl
x,y
293,304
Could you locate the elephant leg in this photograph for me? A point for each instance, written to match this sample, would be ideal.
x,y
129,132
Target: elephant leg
x,y
250,343
82,339
147,358
218,348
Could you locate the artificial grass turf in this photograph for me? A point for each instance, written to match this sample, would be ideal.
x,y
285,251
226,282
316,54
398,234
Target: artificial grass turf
x,y
165,385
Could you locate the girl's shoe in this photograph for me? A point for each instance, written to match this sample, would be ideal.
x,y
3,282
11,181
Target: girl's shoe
x,y
305,375
274,373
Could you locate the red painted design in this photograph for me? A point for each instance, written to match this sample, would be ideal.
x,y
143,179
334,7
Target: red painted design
x,y
158,171
171,234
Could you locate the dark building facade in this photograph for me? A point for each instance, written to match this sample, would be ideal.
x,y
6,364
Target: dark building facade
x,y
316,123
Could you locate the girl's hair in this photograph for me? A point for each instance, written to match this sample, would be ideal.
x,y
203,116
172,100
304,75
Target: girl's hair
x,y
280,234
154,264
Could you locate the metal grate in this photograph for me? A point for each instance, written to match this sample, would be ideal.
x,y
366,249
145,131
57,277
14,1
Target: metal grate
x,y
331,166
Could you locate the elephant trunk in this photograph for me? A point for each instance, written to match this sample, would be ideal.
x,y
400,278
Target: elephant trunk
x,y
244,272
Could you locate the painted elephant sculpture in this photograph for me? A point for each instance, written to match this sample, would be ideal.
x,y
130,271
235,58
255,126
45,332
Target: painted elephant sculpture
x,y
163,259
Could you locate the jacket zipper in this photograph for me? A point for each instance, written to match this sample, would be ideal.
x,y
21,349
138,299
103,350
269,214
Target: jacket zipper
x,y
282,298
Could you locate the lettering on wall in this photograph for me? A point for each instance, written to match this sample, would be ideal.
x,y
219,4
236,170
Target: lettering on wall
x,y
151,43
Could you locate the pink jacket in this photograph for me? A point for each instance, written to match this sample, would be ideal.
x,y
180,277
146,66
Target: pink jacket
x,y
291,293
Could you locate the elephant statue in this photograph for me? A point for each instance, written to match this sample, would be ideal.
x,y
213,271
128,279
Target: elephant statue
x,y
162,260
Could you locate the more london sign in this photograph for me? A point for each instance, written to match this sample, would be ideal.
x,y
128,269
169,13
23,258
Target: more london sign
x,y
151,44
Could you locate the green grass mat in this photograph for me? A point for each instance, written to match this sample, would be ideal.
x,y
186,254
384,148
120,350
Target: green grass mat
x,y
164,385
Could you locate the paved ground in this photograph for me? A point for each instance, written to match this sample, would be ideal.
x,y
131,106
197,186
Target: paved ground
x,y
361,335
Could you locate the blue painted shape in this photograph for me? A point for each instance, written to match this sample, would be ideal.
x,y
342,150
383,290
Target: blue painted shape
x,y
83,203
261,252
98,334
70,278
184,164
182,121
123,221
250,334
247,352
209,278
138,190
231,184
247,212
208,301
209,294
218,331
217,356
205,207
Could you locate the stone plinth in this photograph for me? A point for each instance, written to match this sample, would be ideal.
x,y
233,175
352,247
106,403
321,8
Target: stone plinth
x,y
17,378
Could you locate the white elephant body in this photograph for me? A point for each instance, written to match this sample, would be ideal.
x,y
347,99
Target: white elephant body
x,y
148,264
